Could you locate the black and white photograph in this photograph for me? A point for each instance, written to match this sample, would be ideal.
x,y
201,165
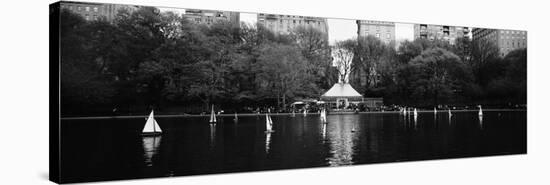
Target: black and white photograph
x,y
153,91
245,92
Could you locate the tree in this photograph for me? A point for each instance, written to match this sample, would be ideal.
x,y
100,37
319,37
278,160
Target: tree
x,y
437,74
84,81
368,53
483,53
212,71
314,47
512,85
342,53
282,74
408,50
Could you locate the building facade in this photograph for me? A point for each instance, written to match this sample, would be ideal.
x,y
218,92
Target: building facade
x,y
385,31
506,40
285,24
440,32
211,16
96,11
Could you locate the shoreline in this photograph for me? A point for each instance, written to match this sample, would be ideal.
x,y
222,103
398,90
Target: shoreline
x,y
272,114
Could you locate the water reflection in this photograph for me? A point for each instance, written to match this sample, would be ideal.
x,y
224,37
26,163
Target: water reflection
x,y
212,135
341,140
324,132
481,122
150,148
267,141
415,121
436,123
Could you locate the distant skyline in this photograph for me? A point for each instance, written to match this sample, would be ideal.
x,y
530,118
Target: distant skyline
x,y
338,29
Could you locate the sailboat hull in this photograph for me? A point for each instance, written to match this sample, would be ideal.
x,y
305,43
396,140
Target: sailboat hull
x,y
151,133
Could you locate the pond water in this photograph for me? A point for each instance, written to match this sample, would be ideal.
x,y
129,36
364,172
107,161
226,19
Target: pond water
x,y
110,149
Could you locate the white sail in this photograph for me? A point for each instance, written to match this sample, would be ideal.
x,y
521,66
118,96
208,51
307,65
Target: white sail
x,y
156,127
212,115
480,113
268,123
450,114
151,125
415,113
435,111
305,112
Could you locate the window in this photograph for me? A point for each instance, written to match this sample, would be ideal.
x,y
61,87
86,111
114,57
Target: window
x,y
79,8
87,17
87,8
294,21
95,17
377,35
95,9
388,36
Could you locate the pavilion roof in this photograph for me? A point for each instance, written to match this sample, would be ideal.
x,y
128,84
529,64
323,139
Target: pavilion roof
x,y
341,90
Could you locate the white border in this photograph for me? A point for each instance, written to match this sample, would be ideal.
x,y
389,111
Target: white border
x,y
24,95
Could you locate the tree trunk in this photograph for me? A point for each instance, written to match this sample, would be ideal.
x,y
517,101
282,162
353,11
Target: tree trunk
x,y
284,102
278,100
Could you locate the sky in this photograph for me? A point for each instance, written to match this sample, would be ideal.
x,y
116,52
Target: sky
x,y
341,29
249,18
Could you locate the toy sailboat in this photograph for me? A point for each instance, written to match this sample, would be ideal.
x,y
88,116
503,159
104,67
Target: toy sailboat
x,y
323,115
212,116
151,127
